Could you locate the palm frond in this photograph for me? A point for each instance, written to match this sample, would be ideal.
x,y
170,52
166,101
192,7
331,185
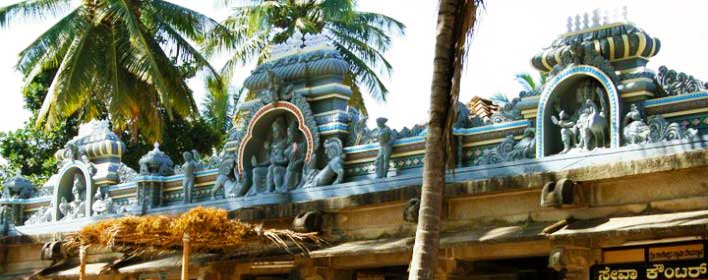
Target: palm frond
x,y
49,43
38,9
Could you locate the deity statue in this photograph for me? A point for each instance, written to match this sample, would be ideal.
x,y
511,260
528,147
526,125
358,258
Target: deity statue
x,y
386,139
568,130
102,204
592,125
526,147
333,172
295,153
188,168
77,206
636,131
43,215
277,158
65,209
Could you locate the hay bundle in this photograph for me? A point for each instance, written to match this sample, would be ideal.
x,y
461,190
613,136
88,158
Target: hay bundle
x,y
209,229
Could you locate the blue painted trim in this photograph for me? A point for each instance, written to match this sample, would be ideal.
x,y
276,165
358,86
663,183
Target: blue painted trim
x,y
677,98
375,146
612,94
492,127
330,127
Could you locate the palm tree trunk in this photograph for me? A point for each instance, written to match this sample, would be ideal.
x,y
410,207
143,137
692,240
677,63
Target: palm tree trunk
x,y
455,21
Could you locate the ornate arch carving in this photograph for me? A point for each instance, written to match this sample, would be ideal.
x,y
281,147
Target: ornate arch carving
x,y
555,87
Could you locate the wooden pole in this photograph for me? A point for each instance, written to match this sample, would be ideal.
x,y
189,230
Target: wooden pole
x,y
185,256
82,259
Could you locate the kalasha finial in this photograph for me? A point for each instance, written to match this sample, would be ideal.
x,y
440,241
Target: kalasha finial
x,y
570,24
577,22
586,21
596,17
156,146
606,17
624,13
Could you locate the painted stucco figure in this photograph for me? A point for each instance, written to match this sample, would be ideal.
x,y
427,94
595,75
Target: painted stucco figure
x,y
333,172
386,138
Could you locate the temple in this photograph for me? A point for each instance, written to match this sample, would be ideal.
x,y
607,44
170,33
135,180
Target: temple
x,y
600,175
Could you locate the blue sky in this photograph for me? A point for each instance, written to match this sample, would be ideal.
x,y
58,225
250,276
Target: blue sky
x,y
508,35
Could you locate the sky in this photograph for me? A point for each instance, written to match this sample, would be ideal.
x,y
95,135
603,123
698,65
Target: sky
x,y
508,35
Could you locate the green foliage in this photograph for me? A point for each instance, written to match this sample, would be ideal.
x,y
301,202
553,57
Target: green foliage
x,y
116,57
219,105
531,85
361,37
180,136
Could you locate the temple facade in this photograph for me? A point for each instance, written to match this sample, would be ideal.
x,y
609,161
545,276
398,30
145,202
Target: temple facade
x,y
599,175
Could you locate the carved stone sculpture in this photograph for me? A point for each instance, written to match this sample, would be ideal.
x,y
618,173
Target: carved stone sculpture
x,y
568,130
636,131
90,165
275,90
295,153
43,215
333,172
592,124
228,179
156,163
508,112
662,130
510,150
410,213
278,160
189,168
102,204
125,173
386,138
17,187
672,82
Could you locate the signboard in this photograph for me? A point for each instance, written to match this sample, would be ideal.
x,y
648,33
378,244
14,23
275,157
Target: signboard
x,y
667,261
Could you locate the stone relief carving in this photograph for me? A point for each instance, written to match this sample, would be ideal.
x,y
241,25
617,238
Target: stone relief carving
x,y
672,82
333,172
43,215
75,206
102,204
295,153
17,187
508,112
579,53
410,213
386,137
275,90
657,129
587,128
125,173
156,163
510,150
228,178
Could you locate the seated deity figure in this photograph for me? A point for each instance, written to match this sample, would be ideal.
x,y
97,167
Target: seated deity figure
x,y
295,153
568,130
278,161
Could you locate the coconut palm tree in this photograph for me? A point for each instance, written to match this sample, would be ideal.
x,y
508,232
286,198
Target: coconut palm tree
x,y
531,85
127,59
456,21
361,37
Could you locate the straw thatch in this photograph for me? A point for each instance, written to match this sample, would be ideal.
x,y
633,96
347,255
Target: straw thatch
x,y
209,230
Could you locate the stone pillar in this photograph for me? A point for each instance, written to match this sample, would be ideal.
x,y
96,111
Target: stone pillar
x,y
573,262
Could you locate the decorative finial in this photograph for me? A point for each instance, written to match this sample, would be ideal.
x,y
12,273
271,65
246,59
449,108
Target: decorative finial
x,y
586,21
570,24
577,23
596,17
606,17
624,13
156,146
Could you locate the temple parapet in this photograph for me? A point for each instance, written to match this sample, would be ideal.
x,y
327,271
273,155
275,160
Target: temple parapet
x,y
296,140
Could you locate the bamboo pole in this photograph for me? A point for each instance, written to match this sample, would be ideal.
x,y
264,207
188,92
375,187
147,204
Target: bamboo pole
x,y
82,259
185,256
